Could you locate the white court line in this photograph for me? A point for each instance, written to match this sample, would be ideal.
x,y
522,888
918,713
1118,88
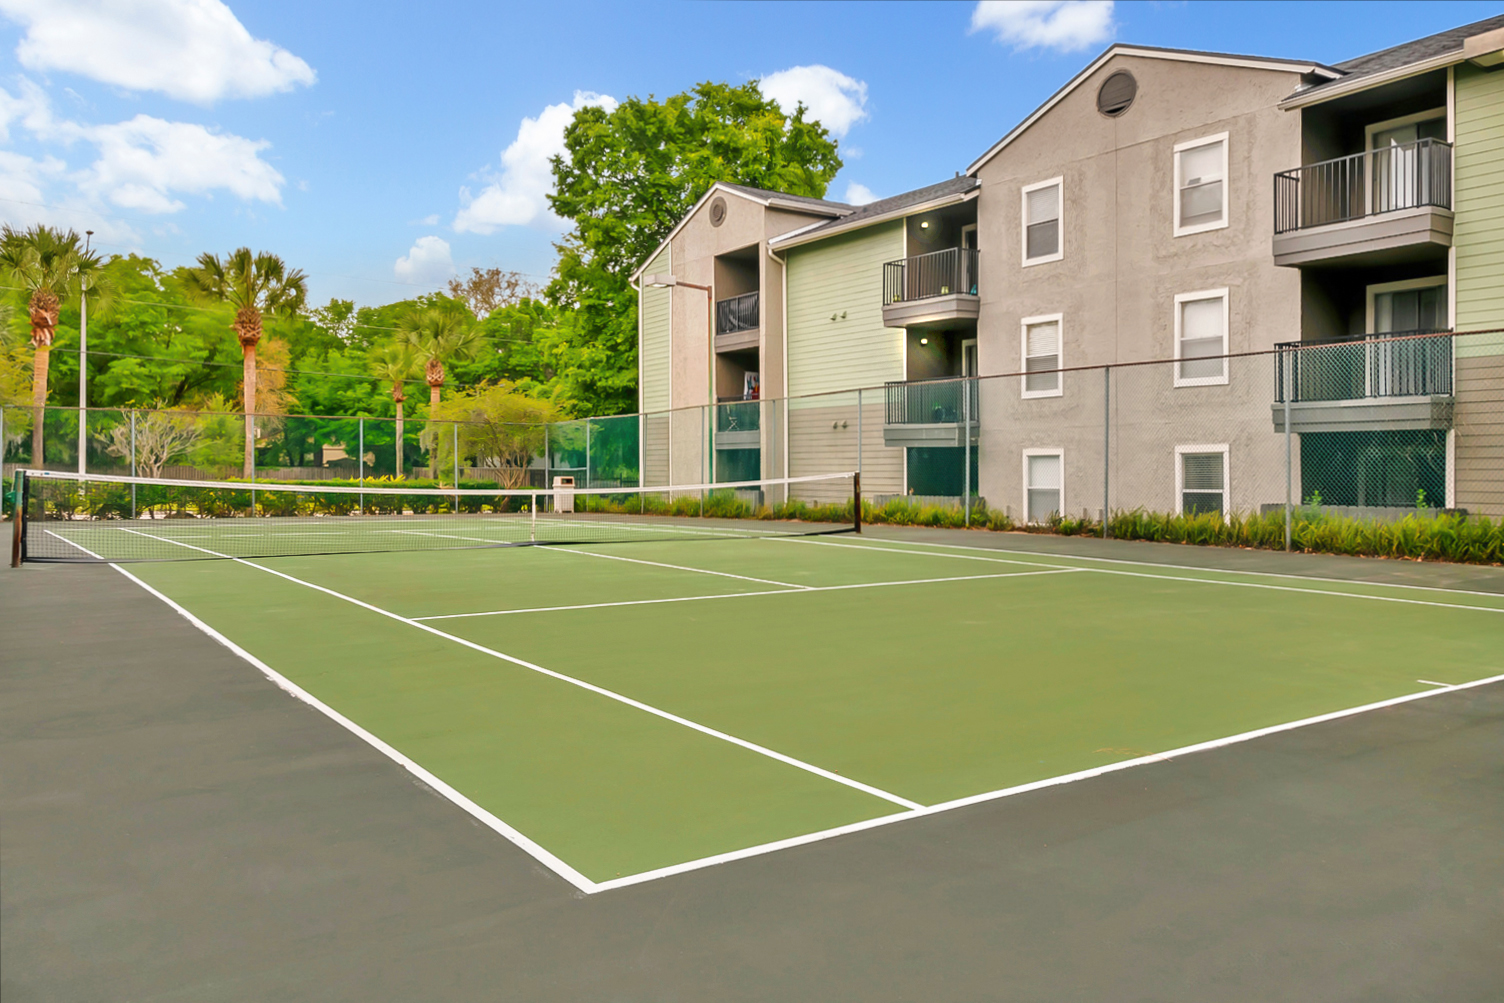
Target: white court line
x,y
72,544
1201,581
743,595
632,560
582,684
533,849
1429,682
591,887
1173,567
1007,792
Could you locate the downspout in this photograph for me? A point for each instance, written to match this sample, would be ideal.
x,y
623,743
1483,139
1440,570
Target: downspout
x,y
783,304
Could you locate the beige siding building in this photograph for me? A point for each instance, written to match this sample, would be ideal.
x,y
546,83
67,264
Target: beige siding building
x,y
1125,301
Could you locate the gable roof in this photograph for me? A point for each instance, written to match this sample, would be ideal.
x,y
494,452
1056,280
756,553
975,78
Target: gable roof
x,y
956,189
763,197
1444,48
1152,52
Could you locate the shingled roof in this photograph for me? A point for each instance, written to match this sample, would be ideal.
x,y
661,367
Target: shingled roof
x,y
883,209
1441,44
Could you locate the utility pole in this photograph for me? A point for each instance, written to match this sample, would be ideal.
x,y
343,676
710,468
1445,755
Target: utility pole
x,y
83,362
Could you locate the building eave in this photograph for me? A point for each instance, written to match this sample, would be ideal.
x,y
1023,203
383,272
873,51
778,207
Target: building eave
x,y
803,235
1342,88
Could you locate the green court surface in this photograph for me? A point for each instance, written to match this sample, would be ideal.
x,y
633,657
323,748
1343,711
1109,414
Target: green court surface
x,y
627,711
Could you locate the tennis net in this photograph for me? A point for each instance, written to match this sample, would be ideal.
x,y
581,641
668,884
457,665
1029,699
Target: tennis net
x,y
66,517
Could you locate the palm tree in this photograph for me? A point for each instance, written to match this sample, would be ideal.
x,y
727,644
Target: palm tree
x,y
254,285
445,329
394,363
47,265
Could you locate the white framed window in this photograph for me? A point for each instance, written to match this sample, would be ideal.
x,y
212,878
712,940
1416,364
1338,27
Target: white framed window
x,y
1044,484
1201,185
1039,340
1408,306
1043,239
1201,338
1201,479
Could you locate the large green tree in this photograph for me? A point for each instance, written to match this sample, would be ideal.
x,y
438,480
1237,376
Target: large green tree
x,y
627,176
46,266
255,285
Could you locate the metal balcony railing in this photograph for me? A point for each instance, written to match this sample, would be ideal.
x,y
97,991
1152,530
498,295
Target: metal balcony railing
x,y
1364,184
1399,364
931,402
739,416
939,273
739,313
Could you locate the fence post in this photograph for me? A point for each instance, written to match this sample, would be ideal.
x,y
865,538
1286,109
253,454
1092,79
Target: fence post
x,y
966,451
133,463
455,428
252,419
587,453
1287,371
1106,447
702,460
859,430
361,440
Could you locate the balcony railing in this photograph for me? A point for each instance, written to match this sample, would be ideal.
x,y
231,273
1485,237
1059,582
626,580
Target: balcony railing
x,y
1400,364
739,313
931,402
939,273
739,416
1364,184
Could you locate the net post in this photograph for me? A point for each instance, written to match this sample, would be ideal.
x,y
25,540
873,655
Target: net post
x,y
856,502
18,532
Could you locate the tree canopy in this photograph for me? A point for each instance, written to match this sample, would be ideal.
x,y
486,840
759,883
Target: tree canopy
x,y
627,177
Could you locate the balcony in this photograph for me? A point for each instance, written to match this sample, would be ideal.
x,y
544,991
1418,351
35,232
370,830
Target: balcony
x,y
1385,382
930,412
738,424
1381,207
929,289
737,323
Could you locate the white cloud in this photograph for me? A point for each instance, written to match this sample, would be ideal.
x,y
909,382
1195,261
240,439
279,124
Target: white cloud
x,y
835,100
518,195
427,264
1065,25
193,50
142,163
859,194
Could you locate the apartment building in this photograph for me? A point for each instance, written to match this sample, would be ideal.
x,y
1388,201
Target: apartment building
x,y
1163,205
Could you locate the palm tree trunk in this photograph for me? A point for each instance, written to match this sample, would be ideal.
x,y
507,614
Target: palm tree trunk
x,y
249,380
40,361
399,438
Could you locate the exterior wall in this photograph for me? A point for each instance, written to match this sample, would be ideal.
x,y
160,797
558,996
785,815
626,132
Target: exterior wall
x,y
1120,272
1478,240
842,278
653,382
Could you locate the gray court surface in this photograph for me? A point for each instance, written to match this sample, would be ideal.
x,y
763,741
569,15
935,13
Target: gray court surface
x,y
172,827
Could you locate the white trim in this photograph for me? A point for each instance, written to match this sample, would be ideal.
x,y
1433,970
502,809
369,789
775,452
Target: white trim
x,y
1194,144
774,202
796,238
1331,91
1043,451
1452,115
1208,58
969,228
964,373
1058,319
1204,294
1394,123
1404,285
1023,222
1181,452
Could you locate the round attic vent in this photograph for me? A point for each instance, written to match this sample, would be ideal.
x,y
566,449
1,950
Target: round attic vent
x,y
717,211
1117,93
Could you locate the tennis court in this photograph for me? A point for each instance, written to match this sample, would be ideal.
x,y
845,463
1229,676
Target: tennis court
x,y
628,711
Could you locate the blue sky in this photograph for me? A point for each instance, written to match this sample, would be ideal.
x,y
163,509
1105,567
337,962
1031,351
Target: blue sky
x,y
378,147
